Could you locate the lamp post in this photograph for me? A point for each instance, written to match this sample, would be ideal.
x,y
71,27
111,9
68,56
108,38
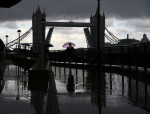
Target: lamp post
x,y
6,40
19,31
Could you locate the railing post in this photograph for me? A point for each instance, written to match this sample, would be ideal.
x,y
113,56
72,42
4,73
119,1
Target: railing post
x,y
110,81
83,78
136,57
83,56
110,59
128,56
64,56
76,57
55,57
145,58
146,93
122,85
129,87
121,57
137,90
59,56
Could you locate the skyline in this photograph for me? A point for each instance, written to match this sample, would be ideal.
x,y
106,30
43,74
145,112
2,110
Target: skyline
x,y
133,20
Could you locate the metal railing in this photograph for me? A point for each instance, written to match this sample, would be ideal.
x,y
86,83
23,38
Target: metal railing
x,y
130,55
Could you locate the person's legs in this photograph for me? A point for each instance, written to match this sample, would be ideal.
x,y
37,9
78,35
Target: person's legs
x,y
69,59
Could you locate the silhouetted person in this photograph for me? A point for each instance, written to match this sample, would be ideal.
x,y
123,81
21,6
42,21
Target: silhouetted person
x,y
70,51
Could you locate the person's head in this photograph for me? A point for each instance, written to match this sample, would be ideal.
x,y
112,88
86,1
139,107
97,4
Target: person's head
x,y
69,44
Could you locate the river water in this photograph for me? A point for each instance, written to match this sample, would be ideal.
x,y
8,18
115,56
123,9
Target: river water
x,y
78,91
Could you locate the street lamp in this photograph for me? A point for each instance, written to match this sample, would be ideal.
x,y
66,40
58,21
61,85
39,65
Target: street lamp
x,y
6,40
19,31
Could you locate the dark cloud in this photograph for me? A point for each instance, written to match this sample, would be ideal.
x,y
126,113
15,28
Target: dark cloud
x,y
126,8
57,9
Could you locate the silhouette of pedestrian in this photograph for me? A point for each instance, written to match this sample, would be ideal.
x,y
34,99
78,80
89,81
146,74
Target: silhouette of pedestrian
x,y
70,51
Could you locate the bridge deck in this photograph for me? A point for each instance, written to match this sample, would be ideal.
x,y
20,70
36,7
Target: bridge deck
x,y
69,24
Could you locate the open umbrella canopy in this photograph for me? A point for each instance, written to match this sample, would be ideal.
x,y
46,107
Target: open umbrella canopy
x,y
67,44
8,3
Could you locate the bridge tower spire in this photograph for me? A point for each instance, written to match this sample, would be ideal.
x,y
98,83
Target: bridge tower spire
x,y
38,28
98,38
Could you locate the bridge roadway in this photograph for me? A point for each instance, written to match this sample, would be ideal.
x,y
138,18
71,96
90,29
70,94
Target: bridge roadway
x,y
69,24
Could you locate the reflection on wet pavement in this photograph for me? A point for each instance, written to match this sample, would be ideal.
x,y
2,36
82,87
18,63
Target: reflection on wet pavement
x,y
71,91
111,95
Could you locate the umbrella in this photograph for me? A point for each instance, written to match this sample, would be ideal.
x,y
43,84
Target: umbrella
x,y
8,3
67,44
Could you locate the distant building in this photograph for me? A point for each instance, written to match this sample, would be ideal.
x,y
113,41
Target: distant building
x,y
127,41
144,39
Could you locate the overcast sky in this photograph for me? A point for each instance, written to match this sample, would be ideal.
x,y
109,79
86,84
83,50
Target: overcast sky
x,y
82,8
122,16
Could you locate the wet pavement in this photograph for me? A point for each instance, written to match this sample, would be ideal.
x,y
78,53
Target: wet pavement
x,y
72,91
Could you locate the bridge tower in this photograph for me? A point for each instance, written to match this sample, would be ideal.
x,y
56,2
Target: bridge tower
x,y
38,28
94,34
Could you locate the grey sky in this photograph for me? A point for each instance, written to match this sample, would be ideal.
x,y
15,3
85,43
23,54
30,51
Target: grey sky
x,y
57,9
135,14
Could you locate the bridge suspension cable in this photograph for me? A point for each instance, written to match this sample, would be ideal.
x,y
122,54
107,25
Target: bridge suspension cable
x,y
113,37
110,39
12,43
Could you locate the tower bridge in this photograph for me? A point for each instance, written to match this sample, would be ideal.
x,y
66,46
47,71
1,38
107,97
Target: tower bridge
x,y
41,78
122,55
90,34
